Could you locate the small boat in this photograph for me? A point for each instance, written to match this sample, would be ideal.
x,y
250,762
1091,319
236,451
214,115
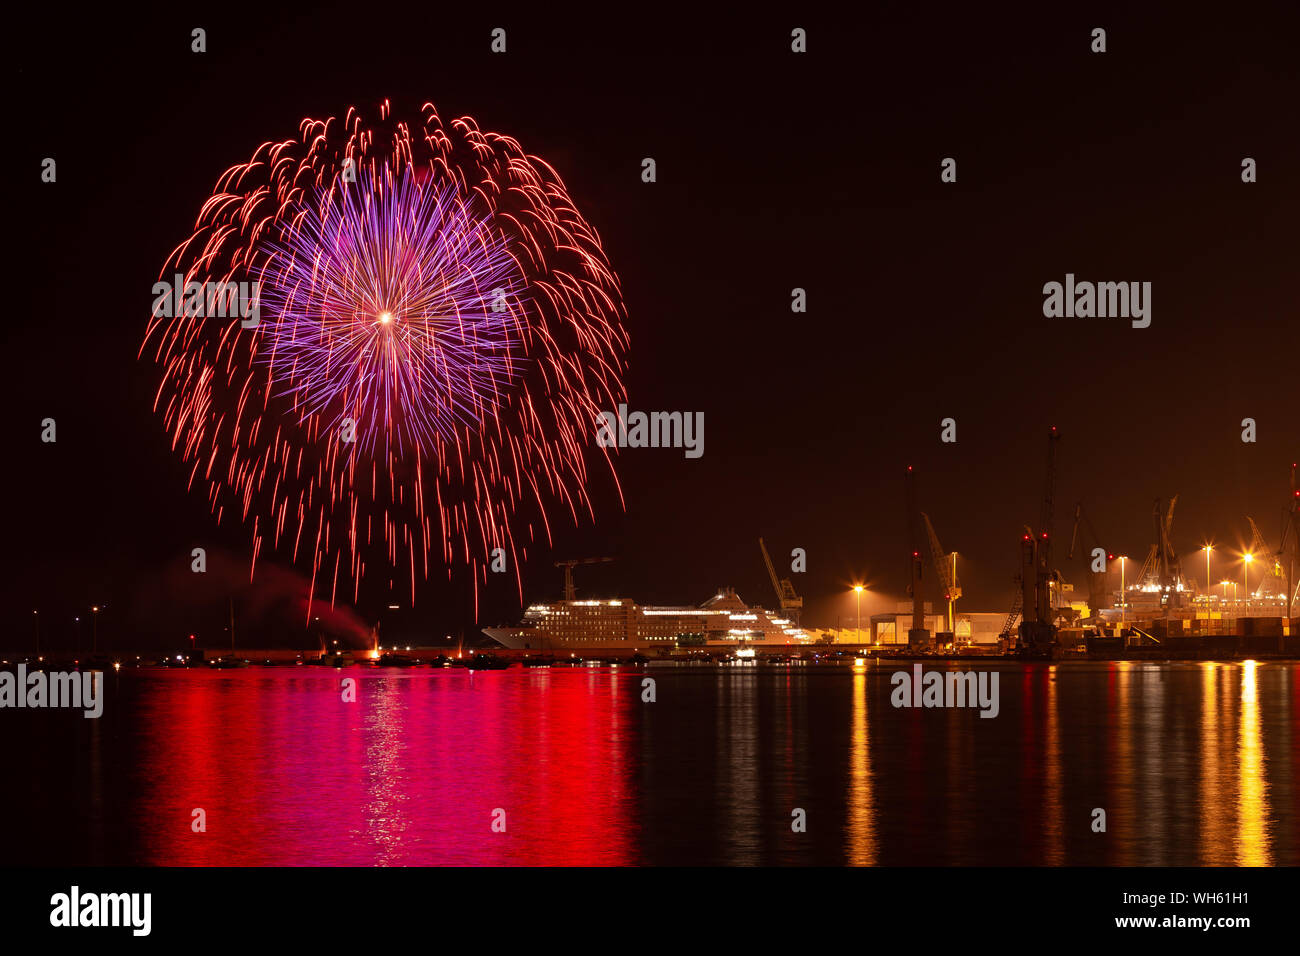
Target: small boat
x,y
228,663
442,660
486,662
545,660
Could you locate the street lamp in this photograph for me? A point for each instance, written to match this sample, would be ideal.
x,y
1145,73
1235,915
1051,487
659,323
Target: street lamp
x,y
1246,570
94,630
857,590
1208,585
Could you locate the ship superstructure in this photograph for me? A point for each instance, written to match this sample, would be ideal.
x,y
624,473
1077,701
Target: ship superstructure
x,y
724,619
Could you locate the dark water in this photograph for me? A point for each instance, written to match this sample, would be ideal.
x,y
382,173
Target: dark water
x,y
1194,764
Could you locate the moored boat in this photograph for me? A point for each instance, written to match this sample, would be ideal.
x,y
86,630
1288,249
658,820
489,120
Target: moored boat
x,y
486,662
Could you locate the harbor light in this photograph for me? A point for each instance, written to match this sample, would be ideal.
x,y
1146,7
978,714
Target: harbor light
x,y
857,590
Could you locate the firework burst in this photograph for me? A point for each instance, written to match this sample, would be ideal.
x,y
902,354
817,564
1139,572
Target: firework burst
x,y
397,309
438,331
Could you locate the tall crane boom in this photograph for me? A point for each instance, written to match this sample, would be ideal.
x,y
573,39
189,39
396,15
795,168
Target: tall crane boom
x,y
790,602
1163,564
945,565
1257,545
1037,628
1272,578
1043,583
1175,563
570,593
1049,491
1097,580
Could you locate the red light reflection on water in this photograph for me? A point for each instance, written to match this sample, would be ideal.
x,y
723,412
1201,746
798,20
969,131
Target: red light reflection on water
x,y
411,773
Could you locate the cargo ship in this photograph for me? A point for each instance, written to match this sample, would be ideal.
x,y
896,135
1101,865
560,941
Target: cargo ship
x,y
724,619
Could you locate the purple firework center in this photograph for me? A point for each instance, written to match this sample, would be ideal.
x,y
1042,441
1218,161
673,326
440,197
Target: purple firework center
x,y
396,305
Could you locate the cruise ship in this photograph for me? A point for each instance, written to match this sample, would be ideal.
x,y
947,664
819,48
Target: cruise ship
x,y
723,619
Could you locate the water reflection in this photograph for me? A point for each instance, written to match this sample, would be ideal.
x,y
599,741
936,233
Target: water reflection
x,y
1216,844
1053,809
861,824
1192,763
738,749
1252,825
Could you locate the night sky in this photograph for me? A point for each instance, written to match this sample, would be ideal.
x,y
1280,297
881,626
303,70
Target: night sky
x,y
775,171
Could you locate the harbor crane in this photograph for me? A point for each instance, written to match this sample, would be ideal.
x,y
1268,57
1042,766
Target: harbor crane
x,y
1281,571
1272,579
1171,567
569,565
790,602
1037,629
945,565
1098,592
1012,616
1163,566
